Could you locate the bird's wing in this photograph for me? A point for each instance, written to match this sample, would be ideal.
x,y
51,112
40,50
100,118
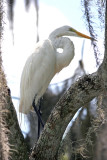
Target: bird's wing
x,y
37,74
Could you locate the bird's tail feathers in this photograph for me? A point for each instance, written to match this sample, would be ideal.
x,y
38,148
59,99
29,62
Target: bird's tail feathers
x,y
23,108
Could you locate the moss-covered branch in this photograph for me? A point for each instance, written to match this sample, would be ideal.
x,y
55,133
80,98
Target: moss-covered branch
x,y
80,93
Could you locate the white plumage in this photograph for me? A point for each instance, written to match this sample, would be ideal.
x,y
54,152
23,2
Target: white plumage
x,y
44,63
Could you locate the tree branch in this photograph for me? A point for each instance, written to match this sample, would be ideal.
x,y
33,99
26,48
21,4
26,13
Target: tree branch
x,y
80,93
103,69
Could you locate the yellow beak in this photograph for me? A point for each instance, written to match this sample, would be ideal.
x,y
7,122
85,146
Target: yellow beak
x,y
83,35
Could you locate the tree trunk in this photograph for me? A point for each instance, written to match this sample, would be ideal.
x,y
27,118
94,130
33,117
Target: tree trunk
x,y
101,145
12,144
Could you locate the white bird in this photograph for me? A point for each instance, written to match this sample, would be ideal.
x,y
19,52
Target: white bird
x,y
44,63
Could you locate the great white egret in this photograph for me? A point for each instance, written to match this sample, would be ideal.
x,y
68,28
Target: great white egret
x,y
44,63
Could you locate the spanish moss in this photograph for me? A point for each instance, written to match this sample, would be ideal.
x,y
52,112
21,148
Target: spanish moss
x,y
11,4
90,21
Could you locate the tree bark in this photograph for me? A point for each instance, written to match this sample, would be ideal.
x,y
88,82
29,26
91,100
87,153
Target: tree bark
x,y
101,152
101,139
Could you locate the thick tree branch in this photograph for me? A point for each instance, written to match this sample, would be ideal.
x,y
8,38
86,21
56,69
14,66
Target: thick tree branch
x,y
80,93
103,69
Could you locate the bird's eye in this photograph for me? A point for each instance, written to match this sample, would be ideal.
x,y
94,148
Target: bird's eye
x,y
59,50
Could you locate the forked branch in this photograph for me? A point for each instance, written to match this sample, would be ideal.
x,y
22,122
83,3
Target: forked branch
x,y
80,93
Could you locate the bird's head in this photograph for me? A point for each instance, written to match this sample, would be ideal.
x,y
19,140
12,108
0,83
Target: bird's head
x,y
68,31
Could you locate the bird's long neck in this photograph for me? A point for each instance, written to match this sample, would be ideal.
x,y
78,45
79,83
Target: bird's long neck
x,y
63,59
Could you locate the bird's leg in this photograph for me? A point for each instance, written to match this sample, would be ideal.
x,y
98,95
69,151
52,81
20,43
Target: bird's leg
x,y
39,110
39,116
